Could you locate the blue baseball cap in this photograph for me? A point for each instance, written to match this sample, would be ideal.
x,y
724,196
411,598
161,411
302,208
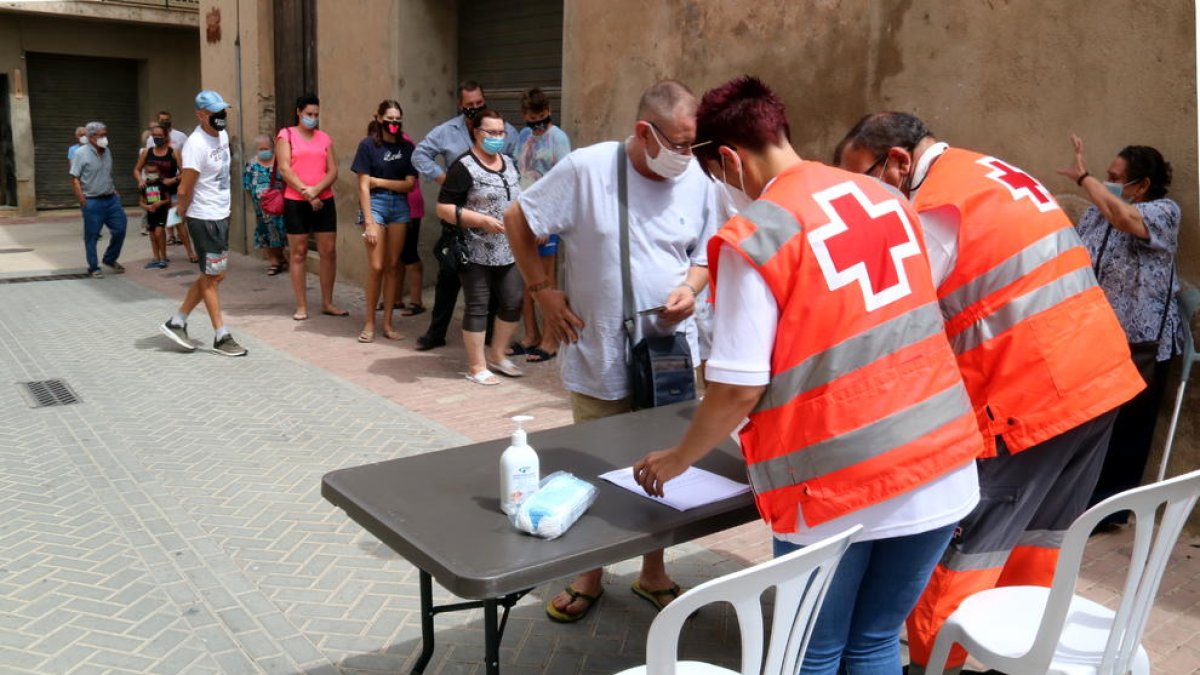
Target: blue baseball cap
x,y
211,101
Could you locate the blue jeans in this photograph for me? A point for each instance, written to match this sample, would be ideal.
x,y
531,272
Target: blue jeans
x,y
874,589
98,212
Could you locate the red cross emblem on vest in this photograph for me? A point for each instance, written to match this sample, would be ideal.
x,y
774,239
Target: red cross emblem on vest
x,y
1019,183
864,243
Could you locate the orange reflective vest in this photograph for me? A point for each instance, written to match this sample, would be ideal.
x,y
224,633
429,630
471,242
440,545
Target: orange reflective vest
x,y
864,402
1040,349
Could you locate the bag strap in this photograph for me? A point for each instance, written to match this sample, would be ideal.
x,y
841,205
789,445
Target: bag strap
x,y
626,276
1170,300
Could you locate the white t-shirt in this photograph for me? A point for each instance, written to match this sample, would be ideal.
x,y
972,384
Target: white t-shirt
x,y
208,155
670,223
745,318
177,139
940,226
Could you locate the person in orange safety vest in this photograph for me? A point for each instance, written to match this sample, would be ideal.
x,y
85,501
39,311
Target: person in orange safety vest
x,y
1042,354
827,336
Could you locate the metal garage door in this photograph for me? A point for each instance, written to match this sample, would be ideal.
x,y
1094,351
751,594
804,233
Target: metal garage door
x,y
509,47
68,91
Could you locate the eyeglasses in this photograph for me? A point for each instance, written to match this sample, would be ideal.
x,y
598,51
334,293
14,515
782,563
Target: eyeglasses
x,y
871,169
387,120
682,148
497,133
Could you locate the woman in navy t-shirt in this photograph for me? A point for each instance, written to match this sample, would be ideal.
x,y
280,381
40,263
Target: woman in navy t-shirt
x,y
385,176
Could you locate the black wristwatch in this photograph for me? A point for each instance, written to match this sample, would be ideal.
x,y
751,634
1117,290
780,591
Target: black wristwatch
x,y
458,215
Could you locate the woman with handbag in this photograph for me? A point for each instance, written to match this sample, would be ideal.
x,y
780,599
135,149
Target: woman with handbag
x,y
309,168
479,186
260,179
386,175
1132,233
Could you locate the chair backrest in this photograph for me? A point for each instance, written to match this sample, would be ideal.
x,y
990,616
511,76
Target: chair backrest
x,y
800,579
1154,538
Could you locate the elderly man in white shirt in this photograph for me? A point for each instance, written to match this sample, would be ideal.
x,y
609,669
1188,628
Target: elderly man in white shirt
x,y
673,212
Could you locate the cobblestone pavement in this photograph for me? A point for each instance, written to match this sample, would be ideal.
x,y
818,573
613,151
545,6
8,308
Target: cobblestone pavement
x,y
171,521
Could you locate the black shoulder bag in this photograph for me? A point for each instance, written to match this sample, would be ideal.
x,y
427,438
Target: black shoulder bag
x,y
660,368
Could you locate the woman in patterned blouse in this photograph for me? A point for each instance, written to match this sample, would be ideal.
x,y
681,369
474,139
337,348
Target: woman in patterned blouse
x,y
269,232
1132,231
479,186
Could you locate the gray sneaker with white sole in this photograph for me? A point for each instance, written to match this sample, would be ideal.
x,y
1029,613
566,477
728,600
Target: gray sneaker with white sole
x,y
227,346
178,335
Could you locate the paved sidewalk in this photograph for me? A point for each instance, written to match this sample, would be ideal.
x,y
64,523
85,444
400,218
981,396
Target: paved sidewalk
x,y
156,527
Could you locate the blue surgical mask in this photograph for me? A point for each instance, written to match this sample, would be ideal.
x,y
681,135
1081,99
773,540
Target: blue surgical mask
x,y
265,155
1117,188
493,145
309,122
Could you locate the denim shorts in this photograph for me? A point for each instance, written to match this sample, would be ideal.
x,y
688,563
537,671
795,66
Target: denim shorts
x,y
389,207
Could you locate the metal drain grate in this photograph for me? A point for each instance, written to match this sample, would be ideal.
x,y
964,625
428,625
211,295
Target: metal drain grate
x,y
44,277
47,393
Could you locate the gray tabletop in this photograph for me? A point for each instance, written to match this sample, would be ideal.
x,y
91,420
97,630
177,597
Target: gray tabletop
x,y
441,510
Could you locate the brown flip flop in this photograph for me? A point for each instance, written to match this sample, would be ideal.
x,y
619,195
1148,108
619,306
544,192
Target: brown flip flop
x,y
560,616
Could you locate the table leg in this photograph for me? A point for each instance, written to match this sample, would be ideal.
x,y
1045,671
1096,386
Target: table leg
x,y
426,584
491,637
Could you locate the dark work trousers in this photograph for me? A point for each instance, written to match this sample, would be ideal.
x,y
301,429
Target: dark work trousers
x,y
1026,503
445,295
1132,436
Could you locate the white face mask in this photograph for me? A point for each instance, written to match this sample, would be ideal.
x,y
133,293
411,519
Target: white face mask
x,y
83,140
102,142
668,164
736,198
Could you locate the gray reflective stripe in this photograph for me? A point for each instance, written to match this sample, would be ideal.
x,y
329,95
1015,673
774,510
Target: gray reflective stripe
x,y
1042,538
1023,307
1020,264
966,562
879,437
774,226
851,354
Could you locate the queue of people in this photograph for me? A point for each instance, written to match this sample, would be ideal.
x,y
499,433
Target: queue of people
x,y
895,334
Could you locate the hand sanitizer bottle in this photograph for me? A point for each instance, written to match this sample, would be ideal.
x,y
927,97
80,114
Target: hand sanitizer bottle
x,y
519,472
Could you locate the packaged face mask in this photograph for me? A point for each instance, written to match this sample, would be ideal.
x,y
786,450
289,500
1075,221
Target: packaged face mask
x,y
551,510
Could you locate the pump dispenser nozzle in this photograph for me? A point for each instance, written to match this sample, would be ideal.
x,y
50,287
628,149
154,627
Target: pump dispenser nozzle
x,y
518,436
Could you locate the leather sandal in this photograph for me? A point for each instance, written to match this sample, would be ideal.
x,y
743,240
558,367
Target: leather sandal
x,y
561,616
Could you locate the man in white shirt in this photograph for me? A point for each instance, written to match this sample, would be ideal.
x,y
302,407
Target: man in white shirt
x,y
203,201
672,213
175,137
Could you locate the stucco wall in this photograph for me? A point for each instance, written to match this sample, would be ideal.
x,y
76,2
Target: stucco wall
x,y
168,77
400,49
1009,77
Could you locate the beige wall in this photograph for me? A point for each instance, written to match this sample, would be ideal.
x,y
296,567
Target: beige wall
x,y
407,51
250,89
1011,77
169,75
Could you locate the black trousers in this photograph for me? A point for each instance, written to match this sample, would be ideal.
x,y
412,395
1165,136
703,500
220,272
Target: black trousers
x,y
1132,436
445,295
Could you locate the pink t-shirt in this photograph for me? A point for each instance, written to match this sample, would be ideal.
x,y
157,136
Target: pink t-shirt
x,y
308,159
416,201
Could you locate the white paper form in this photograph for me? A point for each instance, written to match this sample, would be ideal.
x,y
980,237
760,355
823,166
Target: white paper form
x,y
694,487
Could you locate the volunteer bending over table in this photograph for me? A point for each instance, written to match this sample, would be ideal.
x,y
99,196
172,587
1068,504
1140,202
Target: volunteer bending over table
x,y
828,337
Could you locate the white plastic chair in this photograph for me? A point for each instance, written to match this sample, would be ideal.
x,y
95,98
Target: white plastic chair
x,y
800,578
1189,304
1032,629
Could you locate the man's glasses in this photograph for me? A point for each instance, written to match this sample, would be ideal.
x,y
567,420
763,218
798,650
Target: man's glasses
x,y
682,148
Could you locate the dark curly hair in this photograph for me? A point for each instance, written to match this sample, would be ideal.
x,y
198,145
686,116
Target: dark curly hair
x,y
1143,161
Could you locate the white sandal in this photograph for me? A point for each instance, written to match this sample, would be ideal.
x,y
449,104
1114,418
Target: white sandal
x,y
506,367
485,377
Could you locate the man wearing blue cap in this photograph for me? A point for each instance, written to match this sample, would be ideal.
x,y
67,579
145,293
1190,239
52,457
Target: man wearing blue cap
x,y
203,201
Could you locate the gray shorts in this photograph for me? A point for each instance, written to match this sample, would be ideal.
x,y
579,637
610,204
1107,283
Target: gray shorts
x,y
211,241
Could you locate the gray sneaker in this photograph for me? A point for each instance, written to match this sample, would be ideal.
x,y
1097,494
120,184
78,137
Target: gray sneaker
x,y
178,335
116,267
227,346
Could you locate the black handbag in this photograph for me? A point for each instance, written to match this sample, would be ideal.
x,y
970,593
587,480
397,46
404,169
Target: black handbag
x,y
661,371
451,249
